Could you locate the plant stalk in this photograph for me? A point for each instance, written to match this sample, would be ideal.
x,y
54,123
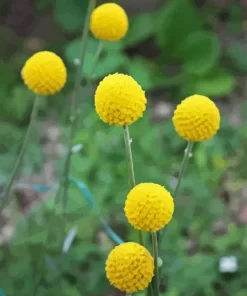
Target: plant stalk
x,y
131,170
180,176
74,104
18,162
155,280
183,167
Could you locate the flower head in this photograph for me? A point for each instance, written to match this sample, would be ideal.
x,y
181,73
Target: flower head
x,y
44,73
109,22
119,100
130,267
149,207
196,118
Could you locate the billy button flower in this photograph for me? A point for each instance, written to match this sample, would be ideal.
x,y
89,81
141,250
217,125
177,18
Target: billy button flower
x,y
149,207
44,73
119,100
196,118
109,22
130,267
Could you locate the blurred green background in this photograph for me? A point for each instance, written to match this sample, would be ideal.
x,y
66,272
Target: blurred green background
x,y
174,48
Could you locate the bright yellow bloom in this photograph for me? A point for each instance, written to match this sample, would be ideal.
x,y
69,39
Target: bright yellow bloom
x,y
149,207
119,100
196,118
44,73
130,267
109,22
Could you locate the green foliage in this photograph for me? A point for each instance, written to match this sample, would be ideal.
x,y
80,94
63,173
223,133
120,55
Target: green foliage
x,y
70,14
177,51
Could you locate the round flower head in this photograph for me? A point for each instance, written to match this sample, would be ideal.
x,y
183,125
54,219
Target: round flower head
x,y
44,73
196,118
109,22
119,100
149,207
130,267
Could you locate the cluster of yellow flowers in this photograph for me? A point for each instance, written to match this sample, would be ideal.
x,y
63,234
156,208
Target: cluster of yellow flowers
x,y
120,101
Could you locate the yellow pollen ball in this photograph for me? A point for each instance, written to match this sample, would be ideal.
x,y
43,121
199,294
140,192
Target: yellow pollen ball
x,y
130,267
196,118
149,207
119,100
109,22
44,73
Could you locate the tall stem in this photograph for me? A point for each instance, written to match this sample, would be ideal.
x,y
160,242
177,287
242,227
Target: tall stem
x,y
180,176
155,255
183,167
18,162
130,163
73,112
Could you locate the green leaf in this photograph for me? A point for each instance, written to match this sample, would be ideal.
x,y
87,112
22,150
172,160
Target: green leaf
x,y
110,61
141,71
70,14
238,56
141,28
72,49
19,102
108,64
176,21
219,83
200,52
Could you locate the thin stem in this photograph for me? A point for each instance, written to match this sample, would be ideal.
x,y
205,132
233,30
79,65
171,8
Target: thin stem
x,y
96,58
73,112
129,157
183,167
18,162
149,291
180,177
155,280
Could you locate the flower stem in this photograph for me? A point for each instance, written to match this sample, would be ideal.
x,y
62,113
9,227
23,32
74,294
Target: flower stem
x,y
183,167
180,176
130,163
155,255
18,162
74,104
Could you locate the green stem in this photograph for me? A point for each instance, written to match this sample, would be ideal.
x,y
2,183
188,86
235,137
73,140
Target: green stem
x,y
155,280
130,163
96,58
180,177
74,103
18,162
129,156
183,167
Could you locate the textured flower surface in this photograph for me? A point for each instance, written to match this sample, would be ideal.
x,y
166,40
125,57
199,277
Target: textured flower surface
x,y
149,207
196,118
44,73
130,267
119,100
109,22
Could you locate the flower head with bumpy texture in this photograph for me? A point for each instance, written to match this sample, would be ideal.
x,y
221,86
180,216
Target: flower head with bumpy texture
x,y
149,207
196,118
130,267
119,100
44,73
109,22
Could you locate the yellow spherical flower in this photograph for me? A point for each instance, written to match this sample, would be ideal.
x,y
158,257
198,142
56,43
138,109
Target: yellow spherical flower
x,y
130,267
196,118
109,22
119,100
44,73
149,207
